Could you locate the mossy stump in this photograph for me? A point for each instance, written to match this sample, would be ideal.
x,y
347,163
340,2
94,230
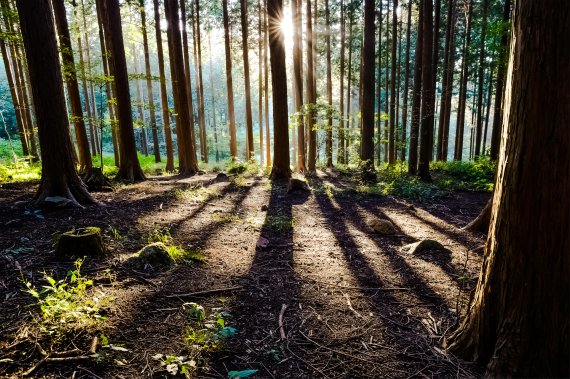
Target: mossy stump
x,y
82,242
156,254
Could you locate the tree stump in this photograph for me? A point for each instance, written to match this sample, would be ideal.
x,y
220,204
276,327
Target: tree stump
x,y
82,242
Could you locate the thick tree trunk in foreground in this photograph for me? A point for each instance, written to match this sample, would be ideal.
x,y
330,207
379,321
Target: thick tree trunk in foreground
x,y
246,74
281,167
129,169
517,324
58,172
163,93
416,100
229,83
367,143
72,86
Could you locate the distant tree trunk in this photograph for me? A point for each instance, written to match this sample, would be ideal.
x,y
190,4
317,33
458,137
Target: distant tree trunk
x,y
129,168
481,80
229,83
140,103
501,68
406,84
149,84
296,10
522,299
248,115
260,81
348,87
386,87
428,93
391,140
188,75
445,83
72,86
340,147
163,93
329,138
58,172
488,107
379,89
281,167
200,85
92,128
311,94
435,63
266,85
416,98
397,136
367,143
450,76
460,126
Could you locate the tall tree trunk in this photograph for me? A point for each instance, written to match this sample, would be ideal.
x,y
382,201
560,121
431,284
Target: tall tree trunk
x,y
188,76
311,94
348,86
522,298
200,85
460,125
163,93
90,73
428,93
129,169
229,83
59,177
487,108
140,103
481,80
406,84
329,138
445,83
246,74
151,108
379,90
367,143
499,91
266,85
281,167
416,98
296,11
450,76
435,63
340,147
92,128
397,136
386,87
391,140
260,81
213,95
72,86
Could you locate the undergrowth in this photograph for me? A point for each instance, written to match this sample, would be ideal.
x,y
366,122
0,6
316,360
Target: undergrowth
x,y
177,253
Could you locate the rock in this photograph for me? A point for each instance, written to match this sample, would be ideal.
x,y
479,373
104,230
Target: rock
x,y
221,177
262,243
82,242
57,201
382,226
423,246
264,208
295,185
155,254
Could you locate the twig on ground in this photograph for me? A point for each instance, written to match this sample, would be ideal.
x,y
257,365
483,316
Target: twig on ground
x,y
281,327
350,306
93,348
207,292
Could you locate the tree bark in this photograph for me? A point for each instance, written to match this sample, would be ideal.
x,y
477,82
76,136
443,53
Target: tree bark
x,y
296,10
281,168
260,81
480,91
266,85
248,115
340,146
58,172
311,94
445,82
416,98
522,299
428,93
391,139
129,169
379,90
140,104
229,83
406,85
367,143
329,137
348,87
188,77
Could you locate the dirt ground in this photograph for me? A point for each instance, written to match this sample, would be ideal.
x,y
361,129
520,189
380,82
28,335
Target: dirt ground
x,y
358,305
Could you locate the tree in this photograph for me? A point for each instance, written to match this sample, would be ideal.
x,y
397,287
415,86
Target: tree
x,y
129,168
481,81
391,140
229,82
298,73
280,167
329,138
522,264
367,110
70,75
311,92
340,147
246,74
266,85
199,84
59,177
416,99
260,80
406,83
163,94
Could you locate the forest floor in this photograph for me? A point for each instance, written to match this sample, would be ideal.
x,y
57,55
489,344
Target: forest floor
x,y
358,305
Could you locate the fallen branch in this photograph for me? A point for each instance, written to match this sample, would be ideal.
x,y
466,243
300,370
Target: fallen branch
x,y
207,292
48,359
281,327
350,306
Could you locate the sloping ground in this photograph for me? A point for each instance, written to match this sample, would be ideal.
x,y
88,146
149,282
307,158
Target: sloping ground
x,y
353,303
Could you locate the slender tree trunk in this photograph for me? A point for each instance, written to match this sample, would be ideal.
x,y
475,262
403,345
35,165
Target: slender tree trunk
x,y
481,80
200,84
90,73
379,90
329,138
406,84
266,84
87,102
445,83
248,115
163,93
522,299
450,76
296,10
499,91
311,93
281,167
397,136
58,172
460,126
428,93
348,86
416,97
340,147
487,108
213,95
140,103
72,86
435,64
391,140
260,82
151,108
367,143
386,87
229,83
129,168
188,75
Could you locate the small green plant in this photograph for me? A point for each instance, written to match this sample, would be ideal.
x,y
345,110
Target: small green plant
x,y
207,332
177,365
116,235
160,235
238,181
68,304
280,223
180,255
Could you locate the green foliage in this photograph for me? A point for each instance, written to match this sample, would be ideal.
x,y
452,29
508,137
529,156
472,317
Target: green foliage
x,y
177,253
177,365
206,332
67,304
248,168
478,175
241,374
224,217
280,223
195,194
